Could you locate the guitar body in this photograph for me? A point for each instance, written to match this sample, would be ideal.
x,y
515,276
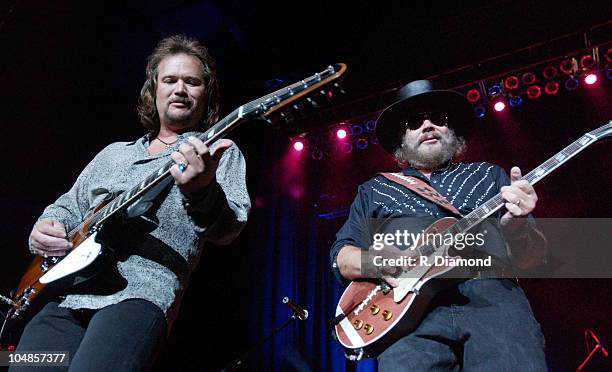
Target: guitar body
x,y
370,316
377,316
88,258
45,271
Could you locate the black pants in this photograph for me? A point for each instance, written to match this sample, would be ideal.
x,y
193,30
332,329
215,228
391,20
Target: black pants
x,y
120,337
486,325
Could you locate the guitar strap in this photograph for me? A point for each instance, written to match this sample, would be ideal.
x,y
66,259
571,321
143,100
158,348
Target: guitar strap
x,y
421,188
429,193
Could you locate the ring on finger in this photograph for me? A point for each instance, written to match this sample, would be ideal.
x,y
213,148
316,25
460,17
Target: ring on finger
x,y
518,202
182,167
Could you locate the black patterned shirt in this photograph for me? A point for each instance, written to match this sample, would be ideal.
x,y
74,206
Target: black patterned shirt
x,y
465,185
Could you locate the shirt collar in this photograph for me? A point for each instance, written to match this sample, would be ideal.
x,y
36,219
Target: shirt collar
x,y
410,171
143,144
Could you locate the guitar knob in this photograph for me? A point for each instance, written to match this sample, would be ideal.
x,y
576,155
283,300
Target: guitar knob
x,y
387,315
374,309
357,323
368,329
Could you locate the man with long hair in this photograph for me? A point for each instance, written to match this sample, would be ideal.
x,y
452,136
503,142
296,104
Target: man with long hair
x,y
484,323
118,327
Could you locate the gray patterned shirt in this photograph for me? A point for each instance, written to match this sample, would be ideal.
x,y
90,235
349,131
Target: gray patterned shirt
x,y
174,223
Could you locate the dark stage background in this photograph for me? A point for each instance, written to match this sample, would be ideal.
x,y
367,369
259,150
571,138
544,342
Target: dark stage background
x,y
70,75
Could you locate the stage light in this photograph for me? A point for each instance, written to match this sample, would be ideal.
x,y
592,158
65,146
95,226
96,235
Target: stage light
x,y
361,143
346,147
528,78
298,145
590,79
373,139
534,92
608,55
567,66
473,95
586,61
609,73
552,87
515,101
316,154
511,82
549,72
499,106
572,83
495,90
356,130
341,133
480,111
370,125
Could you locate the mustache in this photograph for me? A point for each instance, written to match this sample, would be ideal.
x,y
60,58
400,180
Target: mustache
x,y
430,135
184,101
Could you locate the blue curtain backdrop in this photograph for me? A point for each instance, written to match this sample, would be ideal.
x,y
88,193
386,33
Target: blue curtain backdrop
x,y
298,207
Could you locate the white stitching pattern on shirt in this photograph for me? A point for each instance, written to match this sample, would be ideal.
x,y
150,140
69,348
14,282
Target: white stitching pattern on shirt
x,y
411,207
465,169
469,195
485,194
451,172
465,180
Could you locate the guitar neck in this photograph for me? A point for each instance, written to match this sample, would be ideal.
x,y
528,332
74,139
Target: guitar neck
x,y
495,203
128,197
257,108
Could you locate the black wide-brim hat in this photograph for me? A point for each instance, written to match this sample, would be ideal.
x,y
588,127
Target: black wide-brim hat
x,y
422,96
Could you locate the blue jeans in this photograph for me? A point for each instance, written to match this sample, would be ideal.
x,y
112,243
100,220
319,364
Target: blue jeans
x,y
119,337
482,325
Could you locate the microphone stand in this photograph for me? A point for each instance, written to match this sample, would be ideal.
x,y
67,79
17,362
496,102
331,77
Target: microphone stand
x,y
598,346
235,364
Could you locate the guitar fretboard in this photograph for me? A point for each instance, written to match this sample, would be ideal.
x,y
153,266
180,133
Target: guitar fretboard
x,y
256,108
495,203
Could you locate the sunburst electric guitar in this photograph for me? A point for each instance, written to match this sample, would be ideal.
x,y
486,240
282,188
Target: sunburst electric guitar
x,y
87,250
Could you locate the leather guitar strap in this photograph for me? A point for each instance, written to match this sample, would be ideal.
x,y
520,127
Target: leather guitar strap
x,y
421,188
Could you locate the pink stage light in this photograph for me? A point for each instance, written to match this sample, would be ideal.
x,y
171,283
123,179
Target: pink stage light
x,y
590,79
298,145
499,106
341,133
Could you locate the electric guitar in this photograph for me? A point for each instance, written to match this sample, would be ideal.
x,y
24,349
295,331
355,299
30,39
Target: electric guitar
x,y
87,250
371,315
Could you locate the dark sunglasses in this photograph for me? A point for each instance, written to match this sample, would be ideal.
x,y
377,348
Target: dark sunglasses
x,y
437,117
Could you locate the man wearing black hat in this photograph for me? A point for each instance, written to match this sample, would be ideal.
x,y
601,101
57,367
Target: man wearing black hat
x,y
482,323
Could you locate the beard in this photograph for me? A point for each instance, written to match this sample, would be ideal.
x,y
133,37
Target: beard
x,y
420,156
181,118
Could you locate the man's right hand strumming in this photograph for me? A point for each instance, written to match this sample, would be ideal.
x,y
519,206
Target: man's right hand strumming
x,y
349,264
48,238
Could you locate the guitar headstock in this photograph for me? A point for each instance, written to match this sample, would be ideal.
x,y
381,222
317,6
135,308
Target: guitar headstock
x,y
271,102
602,132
